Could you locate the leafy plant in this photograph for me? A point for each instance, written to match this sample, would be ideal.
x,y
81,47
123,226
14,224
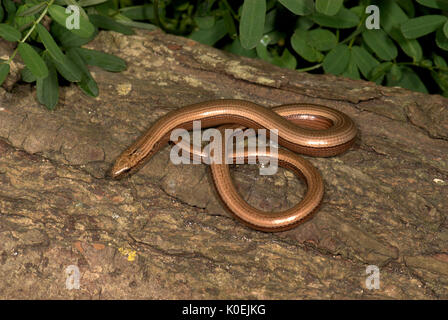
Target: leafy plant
x,y
324,36
53,54
320,36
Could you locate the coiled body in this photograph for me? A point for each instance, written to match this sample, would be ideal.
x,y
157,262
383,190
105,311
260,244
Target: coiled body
x,y
303,128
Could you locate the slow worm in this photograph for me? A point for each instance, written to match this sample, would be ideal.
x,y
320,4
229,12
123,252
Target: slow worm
x,y
303,128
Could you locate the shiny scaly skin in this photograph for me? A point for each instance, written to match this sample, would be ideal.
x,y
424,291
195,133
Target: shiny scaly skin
x,y
304,128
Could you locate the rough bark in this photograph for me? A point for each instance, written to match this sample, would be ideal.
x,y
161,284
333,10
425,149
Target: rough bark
x,y
162,233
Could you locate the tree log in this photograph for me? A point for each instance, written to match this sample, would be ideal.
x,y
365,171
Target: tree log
x,y
163,234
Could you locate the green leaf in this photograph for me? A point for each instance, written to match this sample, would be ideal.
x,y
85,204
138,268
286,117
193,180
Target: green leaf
x,y
109,24
299,7
237,49
380,70
135,24
27,76
336,61
24,22
68,39
68,69
4,70
441,40
252,22
47,88
9,33
329,7
32,10
410,46
32,60
87,84
410,80
85,30
49,43
304,23
342,20
394,75
230,24
436,4
269,22
352,69
262,51
441,79
440,62
408,6
212,35
205,22
420,26
86,3
380,43
358,10
299,44
103,60
364,60
286,60
73,3
391,15
321,39
445,29
144,12
10,7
